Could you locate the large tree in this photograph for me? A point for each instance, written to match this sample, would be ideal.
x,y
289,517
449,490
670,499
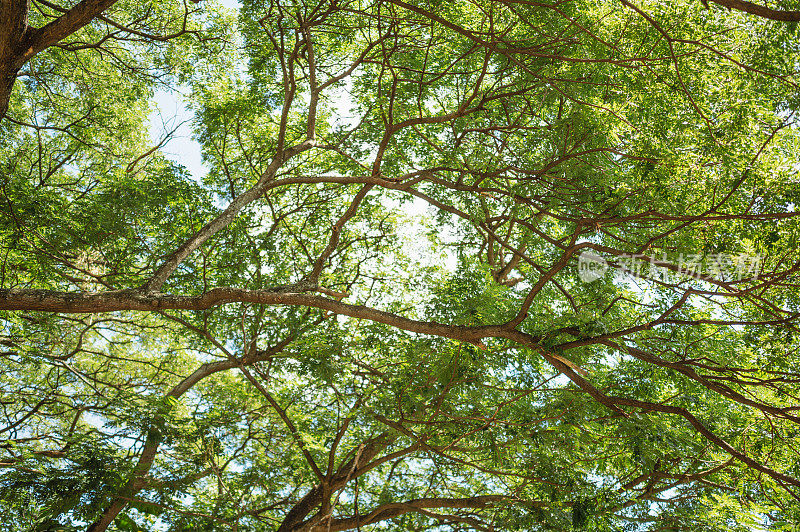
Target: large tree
x,y
487,265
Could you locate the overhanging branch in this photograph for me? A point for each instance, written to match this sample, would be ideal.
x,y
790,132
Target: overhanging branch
x,y
122,300
759,10
392,510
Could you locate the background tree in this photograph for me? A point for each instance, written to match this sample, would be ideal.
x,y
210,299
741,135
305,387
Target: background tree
x,y
369,313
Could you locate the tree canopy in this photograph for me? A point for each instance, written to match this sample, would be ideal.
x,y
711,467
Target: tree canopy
x,y
476,265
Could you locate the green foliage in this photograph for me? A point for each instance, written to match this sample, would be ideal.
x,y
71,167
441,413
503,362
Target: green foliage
x,y
387,237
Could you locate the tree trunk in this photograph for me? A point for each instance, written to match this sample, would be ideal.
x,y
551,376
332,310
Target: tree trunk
x,y
13,30
7,78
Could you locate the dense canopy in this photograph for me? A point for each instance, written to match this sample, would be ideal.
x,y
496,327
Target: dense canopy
x,y
447,266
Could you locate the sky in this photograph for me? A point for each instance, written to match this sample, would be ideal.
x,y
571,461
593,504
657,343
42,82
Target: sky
x,y
172,112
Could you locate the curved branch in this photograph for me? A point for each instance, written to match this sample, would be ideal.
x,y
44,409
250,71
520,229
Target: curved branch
x,y
392,510
112,301
759,10
64,26
154,437
225,218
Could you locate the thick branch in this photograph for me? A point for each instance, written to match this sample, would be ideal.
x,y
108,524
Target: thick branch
x,y
63,302
225,218
13,29
760,11
64,26
347,471
153,441
392,510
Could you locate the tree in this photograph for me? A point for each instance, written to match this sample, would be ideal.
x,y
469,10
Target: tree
x,y
454,266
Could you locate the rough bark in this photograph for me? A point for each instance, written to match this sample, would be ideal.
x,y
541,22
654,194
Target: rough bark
x,y
63,302
759,10
13,29
64,26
